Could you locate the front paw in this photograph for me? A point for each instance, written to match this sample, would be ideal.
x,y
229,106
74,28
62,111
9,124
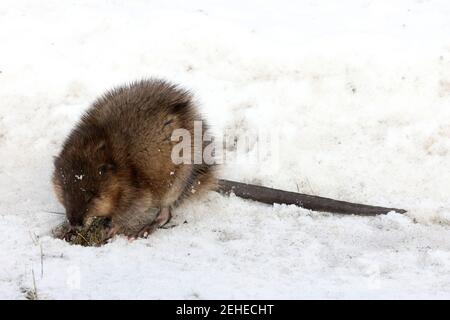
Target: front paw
x,y
111,230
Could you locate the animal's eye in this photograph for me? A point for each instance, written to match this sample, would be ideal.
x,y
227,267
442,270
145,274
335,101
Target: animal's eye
x,y
88,195
104,168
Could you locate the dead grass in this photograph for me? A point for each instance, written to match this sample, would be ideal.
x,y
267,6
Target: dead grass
x,y
92,235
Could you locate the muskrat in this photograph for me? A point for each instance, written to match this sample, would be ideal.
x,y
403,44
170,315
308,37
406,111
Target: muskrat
x,y
116,162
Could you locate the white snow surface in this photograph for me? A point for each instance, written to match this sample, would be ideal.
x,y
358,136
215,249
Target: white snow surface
x,y
361,88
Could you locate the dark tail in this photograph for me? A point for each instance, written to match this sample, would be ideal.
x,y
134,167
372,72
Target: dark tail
x,y
271,196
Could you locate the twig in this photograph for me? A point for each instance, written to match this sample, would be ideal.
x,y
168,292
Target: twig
x,y
42,261
35,293
33,238
54,212
309,184
87,242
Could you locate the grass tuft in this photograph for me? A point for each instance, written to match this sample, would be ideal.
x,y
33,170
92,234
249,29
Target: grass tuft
x,y
92,235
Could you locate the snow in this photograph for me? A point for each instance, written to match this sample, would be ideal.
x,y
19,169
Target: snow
x,y
358,90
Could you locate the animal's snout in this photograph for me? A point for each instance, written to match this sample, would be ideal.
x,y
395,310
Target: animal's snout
x,y
75,220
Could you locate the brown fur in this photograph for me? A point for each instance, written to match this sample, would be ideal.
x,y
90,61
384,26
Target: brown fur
x,y
116,162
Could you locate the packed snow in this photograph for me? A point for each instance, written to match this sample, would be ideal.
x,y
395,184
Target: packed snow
x,y
360,91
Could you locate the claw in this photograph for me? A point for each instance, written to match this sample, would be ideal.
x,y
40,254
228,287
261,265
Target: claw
x,y
147,230
161,219
112,231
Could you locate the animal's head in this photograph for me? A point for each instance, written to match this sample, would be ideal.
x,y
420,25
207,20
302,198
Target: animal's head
x,y
85,179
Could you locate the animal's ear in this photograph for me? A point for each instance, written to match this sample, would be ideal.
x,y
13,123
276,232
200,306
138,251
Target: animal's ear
x,y
179,106
105,168
100,146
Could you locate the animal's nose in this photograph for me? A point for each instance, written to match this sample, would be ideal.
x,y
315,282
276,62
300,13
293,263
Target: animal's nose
x,y
75,221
